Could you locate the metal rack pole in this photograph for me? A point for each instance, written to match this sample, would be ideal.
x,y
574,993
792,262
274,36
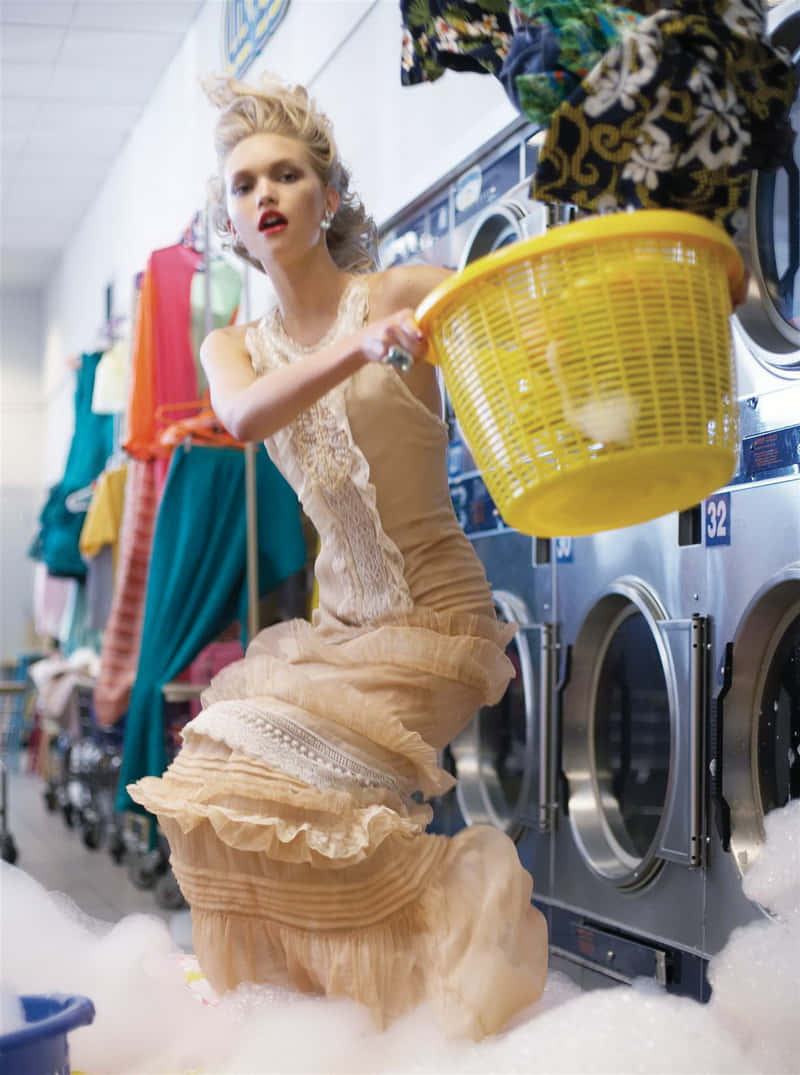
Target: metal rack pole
x,y
251,501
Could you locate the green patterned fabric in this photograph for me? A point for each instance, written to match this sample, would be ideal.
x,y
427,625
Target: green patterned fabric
x,y
556,49
676,115
460,35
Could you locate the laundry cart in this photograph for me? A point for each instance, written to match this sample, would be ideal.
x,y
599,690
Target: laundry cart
x,y
148,851
11,692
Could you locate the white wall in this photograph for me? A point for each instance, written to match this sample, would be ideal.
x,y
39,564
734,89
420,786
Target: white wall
x,y
397,140
22,409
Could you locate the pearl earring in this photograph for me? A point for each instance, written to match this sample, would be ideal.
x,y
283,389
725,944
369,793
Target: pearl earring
x,y
327,220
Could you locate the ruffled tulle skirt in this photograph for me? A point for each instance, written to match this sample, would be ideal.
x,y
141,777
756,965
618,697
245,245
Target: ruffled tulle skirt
x,y
297,842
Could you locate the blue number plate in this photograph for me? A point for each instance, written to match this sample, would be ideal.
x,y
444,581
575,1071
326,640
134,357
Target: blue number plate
x,y
717,519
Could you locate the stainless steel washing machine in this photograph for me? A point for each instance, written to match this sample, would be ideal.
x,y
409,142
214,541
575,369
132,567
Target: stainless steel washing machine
x,y
680,699
752,535
767,325
504,759
629,849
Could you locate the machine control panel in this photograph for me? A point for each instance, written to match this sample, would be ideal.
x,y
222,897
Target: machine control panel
x,y
474,507
770,454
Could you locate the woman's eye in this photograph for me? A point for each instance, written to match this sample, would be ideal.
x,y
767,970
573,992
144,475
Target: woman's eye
x,y
241,188
289,177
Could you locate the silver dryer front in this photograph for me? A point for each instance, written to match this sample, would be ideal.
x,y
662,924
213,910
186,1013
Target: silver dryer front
x,y
752,534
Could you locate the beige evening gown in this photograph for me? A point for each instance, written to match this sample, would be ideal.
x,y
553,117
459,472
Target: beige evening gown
x,y
295,831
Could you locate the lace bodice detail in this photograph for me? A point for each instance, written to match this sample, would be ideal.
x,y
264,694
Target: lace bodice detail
x,y
317,455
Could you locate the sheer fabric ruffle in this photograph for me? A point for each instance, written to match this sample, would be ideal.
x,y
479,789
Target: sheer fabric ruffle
x,y
300,869
329,893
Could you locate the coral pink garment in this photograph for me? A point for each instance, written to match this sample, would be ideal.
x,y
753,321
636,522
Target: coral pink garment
x,y
163,365
123,633
209,662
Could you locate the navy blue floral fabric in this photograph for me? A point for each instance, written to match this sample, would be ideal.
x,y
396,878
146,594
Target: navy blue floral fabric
x,y
676,115
453,34
557,45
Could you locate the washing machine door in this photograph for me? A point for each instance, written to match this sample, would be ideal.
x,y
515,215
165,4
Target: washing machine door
x,y
514,217
770,319
632,721
502,759
761,714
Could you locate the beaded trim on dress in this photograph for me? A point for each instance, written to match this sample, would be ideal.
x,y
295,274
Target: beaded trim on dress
x,y
248,725
328,471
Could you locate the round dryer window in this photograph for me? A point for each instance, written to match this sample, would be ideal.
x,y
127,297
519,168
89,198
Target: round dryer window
x,y
779,724
761,714
632,733
494,755
618,727
771,319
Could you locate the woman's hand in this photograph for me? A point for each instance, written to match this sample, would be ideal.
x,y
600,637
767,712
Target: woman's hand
x,y
397,330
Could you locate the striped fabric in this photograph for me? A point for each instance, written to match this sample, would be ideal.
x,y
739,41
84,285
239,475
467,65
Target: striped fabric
x,y
122,637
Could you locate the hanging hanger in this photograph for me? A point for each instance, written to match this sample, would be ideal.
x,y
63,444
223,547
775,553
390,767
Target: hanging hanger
x,y
201,427
79,501
193,233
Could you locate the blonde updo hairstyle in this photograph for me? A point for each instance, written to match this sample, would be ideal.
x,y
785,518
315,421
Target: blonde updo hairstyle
x,y
277,108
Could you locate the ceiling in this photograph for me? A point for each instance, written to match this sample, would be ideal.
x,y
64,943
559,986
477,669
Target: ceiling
x,y
75,75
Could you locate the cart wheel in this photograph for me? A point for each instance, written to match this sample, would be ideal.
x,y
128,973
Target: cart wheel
x,y
144,870
8,849
167,893
116,847
50,799
92,834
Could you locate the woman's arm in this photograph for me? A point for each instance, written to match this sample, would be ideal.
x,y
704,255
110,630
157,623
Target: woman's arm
x,y
252,407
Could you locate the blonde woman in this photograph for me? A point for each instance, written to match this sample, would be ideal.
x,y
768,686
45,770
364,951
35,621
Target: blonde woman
x,y
294,809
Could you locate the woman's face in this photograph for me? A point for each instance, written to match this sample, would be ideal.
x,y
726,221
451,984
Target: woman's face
x,y
275,199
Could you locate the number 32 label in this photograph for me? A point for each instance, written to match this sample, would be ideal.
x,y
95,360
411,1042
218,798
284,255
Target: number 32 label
x,y
718,519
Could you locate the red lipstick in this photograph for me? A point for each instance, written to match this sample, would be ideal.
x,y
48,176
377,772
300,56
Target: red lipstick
x,y
271,221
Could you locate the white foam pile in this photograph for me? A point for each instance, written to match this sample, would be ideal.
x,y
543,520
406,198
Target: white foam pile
x,y
149,1022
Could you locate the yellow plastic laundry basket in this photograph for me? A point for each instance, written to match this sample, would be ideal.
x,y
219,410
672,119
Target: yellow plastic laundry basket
x,y
591,369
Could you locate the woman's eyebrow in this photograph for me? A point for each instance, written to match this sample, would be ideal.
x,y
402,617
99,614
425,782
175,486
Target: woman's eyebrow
x,y
283,162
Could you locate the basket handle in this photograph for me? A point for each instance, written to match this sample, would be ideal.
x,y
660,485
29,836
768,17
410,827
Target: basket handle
x,y
399,358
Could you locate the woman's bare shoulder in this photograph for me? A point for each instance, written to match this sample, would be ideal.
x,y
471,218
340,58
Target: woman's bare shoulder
x,y
233,333
403,286
225,346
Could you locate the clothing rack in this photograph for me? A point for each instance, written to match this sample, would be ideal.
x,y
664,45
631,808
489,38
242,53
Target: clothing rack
x,y
251,502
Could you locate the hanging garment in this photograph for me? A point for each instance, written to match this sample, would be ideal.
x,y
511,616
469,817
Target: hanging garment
x,y
103,520
197,422
99,589
122,637
556,48
110,395
226,289
210,661
454,34
291,811
49,600
675,116
98,544
197,583
76,632
163,367
92,443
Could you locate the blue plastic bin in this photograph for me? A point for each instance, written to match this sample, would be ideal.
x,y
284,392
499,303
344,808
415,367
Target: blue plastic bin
x,y
41,1047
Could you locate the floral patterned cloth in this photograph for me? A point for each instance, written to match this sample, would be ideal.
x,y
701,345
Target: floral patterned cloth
x,y
558,46
461,36
676,115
